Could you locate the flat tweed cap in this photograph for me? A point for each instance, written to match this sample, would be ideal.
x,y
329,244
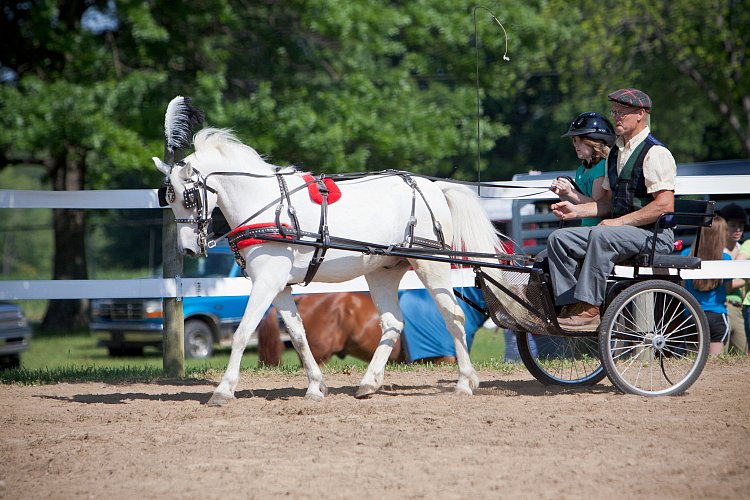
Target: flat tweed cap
x,y
631,97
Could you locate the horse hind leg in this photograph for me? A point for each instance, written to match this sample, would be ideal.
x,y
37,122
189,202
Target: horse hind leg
x,y
437,279
316,388
270,346
383,286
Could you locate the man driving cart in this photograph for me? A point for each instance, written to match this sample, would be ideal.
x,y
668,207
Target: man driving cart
x,y
639,186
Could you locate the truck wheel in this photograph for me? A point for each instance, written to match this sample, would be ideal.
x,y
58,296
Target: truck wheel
x,y
116,352
199,340
125,351
10,361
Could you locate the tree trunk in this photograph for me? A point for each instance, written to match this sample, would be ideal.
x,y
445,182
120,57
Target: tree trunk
x,y
68,173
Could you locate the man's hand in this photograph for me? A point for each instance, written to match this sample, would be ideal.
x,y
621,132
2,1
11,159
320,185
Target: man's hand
x,y
564,210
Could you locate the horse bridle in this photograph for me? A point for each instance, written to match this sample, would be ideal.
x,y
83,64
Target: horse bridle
x,y
195,196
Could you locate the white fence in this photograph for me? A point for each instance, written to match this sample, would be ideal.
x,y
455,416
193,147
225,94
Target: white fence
x,y
495,200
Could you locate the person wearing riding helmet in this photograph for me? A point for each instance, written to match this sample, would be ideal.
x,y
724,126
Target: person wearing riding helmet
x,y
592,136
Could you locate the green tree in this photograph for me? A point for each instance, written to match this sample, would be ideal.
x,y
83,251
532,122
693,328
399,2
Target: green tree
x,y
707,43
687,54
358,85
69,106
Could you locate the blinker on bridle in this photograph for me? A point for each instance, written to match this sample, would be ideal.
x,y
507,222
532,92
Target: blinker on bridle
x,y
166,193
194,196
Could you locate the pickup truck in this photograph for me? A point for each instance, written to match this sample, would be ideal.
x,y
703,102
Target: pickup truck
x,y
126,326
15,335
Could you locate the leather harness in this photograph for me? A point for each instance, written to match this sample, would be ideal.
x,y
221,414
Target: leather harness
x,y
254,234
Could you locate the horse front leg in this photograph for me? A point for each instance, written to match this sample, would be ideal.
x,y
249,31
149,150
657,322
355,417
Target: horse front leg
x,y
383,286
284,302
260,300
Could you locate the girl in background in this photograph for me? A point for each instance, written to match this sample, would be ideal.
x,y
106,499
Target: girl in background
x,y
712,293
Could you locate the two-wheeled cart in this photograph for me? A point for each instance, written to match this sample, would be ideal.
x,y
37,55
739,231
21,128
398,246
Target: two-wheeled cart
x,y
653,339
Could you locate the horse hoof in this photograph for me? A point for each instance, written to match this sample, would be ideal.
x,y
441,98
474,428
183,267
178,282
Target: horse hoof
x,y
219,399
464,389
324,389
474,382
364,391
314,396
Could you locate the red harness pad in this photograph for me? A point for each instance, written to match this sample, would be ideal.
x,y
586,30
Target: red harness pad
x,y
272,231
334,193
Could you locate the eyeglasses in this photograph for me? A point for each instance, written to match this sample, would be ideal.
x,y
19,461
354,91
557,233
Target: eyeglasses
x,y
734,226
615,113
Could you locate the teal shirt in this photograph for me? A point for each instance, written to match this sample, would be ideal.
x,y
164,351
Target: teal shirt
x,y
585,178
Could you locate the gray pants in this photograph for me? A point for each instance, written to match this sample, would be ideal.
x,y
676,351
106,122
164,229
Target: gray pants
x,y
599,248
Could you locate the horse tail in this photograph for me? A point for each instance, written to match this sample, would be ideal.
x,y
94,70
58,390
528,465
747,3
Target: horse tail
x,y
473,231
270,347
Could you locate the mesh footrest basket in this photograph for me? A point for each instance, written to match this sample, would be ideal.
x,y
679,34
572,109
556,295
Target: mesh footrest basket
x,y
517,300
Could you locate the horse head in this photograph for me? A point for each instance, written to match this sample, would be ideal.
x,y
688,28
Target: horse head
x,y
186,191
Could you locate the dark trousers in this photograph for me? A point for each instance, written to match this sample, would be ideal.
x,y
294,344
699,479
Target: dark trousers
x,y
597,249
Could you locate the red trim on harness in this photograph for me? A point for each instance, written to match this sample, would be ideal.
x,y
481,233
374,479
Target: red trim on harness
x,y
247,242
334,193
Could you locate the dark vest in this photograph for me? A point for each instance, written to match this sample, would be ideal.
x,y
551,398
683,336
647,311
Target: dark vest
x,y
629,188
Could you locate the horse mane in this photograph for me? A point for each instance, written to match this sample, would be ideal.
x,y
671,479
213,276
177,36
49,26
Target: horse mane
x,y
231,149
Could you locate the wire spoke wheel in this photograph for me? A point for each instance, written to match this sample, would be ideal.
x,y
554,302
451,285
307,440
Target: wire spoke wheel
x,y
558,360
654,339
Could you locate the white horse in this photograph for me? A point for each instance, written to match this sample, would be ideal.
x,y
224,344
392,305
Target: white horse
x,y
374,209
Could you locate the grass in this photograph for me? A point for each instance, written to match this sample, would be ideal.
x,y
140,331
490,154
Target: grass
x,y
75,357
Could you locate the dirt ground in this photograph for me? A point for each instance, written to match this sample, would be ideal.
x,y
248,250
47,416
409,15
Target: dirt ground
x,y
415,439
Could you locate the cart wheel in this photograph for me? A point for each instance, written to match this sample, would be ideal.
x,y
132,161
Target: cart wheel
x,y
654,339
557,360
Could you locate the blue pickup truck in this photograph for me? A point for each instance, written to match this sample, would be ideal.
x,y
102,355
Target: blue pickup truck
x,y
126,326
15,335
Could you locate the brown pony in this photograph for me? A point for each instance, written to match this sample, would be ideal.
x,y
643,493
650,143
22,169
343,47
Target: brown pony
x,y
341,324
335,323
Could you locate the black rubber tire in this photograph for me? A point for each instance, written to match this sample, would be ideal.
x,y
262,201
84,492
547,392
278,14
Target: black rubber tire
x,y
573,362
199,340
125,351
654,339
10,361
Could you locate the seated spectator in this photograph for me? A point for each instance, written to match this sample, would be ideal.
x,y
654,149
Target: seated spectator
x,y
736,218
745,254
712,293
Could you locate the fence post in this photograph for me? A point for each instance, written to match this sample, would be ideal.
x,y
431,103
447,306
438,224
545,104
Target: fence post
x,y
174,319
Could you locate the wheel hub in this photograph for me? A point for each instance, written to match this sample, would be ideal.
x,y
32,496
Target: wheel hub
x,y
658,342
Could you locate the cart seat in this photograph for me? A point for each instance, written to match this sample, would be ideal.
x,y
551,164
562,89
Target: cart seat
x,y
689,213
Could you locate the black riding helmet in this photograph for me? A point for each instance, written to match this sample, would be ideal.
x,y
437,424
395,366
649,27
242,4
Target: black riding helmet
x,y
592,125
